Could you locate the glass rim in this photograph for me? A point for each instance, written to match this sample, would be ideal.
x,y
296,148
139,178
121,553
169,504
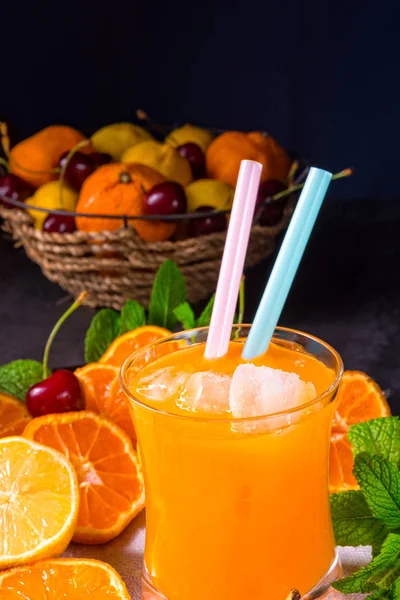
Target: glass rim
x,y
191,417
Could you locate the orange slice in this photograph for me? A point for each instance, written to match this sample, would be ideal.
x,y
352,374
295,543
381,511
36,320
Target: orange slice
x,y
70,578
39,501
110,479
103,395
126,344
359,399
14,415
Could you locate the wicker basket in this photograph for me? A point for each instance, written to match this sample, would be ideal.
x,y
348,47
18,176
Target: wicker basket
x,y
116,265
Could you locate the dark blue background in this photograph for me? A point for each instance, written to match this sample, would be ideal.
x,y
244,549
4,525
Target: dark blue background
x,y
320,76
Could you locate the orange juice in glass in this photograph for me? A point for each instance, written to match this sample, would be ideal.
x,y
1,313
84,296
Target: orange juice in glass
x,y
237,507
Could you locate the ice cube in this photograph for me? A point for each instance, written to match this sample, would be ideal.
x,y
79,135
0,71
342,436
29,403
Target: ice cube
x,y
163,384
257,391
206,391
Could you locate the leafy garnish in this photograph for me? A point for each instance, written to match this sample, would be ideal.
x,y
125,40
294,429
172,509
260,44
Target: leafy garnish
x,y
185,315
18,376
103,330
379,480
379,436
169,291
205,317
353,522
371,516
379,575
133,316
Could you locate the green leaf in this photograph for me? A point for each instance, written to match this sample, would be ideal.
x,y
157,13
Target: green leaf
x,y
185,315
205,317
169,291
379,574
132,316
17,377
103,330
353,522
378,436
379,480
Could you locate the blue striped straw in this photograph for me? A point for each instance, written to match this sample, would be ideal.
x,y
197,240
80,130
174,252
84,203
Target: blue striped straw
x,y
287,263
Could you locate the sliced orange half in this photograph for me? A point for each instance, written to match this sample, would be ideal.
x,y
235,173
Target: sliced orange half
x,y
72,579
109,475
126,344
39,501
359,399
14,415
103,395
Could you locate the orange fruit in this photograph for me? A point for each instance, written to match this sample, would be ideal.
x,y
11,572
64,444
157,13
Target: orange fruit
x,y
39,501
14,415
126,344
359,399
110,479
104,396
69,578
120,189
33,158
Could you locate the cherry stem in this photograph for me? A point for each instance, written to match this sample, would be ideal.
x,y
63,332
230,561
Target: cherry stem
x,y
5,164
295,188
70,154
241,300
292,171
55,329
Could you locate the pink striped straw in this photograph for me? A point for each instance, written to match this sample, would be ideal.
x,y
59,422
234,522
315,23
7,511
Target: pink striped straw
x,y
237,240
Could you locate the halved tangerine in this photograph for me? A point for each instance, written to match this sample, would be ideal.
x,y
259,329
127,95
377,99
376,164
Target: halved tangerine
x,y
359,399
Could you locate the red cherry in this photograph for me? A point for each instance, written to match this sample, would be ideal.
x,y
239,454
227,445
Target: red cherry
x,y
273,211
61,392
207,225
78,169
15,188
100,158
167,198
195,155
59,224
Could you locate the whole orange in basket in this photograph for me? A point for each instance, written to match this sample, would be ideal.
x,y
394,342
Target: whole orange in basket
x,y
41,152
109,476
14,416
120,189
225,153
103,395
359,399
68,578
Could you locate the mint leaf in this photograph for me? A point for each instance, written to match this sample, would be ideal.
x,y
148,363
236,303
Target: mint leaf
x,y
380,483
205,317
132,316
103,330
353,522
169,291
185,315
17,377
379,574
378,436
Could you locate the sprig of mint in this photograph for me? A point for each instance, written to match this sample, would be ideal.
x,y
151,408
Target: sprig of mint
x,y
18,376
168,308
371,515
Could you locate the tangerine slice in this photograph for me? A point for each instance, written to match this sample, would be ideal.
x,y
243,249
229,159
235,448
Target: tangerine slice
x,y
359,399
14,416
72,578
103,395
39,501
109,475
125,345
